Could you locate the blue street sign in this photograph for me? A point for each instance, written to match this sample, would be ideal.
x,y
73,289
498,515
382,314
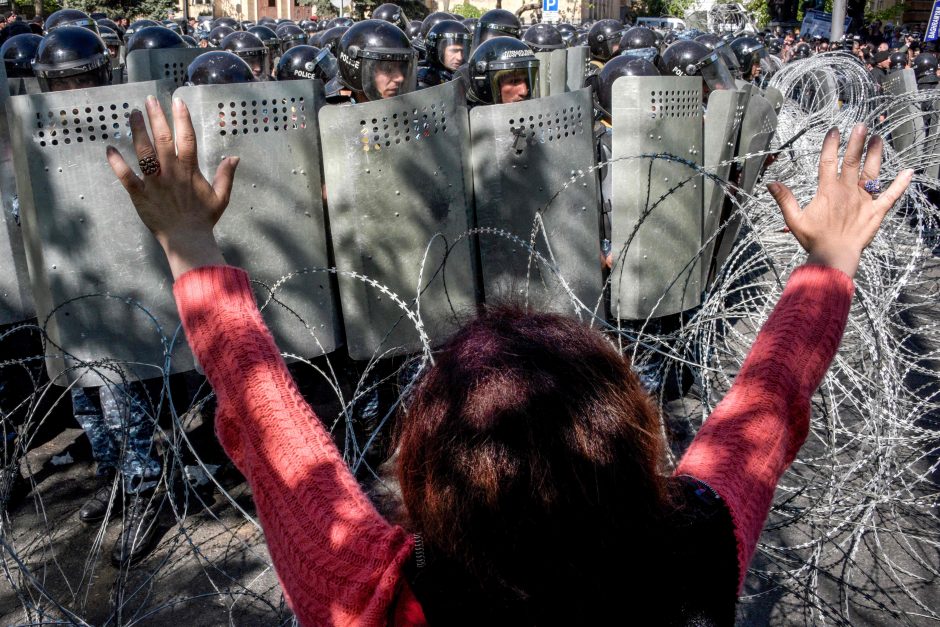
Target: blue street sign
x,y
933,26
552,5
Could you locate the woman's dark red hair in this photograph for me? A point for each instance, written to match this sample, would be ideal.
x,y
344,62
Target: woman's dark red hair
x,y
528,454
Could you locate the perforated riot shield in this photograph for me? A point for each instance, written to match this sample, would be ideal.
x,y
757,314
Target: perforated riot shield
x,y
545,68
159,64
16,299
722,127
905,126
23,86
932,131
757,131
398,186
576,67
558,72
274,226
100,281
657,199
532,180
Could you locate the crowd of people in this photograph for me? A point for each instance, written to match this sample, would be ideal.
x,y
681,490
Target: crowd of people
x,y
529,457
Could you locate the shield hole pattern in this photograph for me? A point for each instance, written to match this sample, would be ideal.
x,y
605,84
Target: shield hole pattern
x,y
410,125
175,71
102,122
262,116
551,126
675,103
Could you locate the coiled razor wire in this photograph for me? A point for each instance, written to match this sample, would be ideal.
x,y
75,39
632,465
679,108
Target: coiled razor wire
x,y
853,535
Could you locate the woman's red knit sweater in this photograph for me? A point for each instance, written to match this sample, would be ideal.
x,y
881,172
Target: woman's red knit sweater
x,y
340,563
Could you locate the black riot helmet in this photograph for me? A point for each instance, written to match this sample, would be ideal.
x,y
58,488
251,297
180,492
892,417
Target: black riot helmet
x,y
69,17
18,53
329,39
267,20
112,25
502,62
391,13
496,23
710,40
414,28
268,37
801,51
136,26
603,82
343,21
638,37
691,58
925,68
291,35
173,26
190,41
775,45
218,67
749,52
604,39
231,22
72,57
154,37
250,48
898,61
470,23
448,45
115,46
431,21
306,62
543,37
217,34
17,28
568,32
309,27
376,60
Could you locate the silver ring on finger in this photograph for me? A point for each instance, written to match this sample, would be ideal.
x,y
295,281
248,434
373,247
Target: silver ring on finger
x,y
149,165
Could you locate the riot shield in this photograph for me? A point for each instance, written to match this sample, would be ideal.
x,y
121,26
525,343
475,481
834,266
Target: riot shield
x,y
159,64
23,86
532,180
275,225
932,145
775,97
722,127
904,123
558,72
101,285
545,68
757,131
657,199
16,299
576,67
399,190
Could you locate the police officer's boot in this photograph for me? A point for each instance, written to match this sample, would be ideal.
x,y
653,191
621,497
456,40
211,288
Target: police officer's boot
x,y
139,531
96,507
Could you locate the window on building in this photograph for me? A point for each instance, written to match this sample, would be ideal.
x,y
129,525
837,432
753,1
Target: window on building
x,y
272,3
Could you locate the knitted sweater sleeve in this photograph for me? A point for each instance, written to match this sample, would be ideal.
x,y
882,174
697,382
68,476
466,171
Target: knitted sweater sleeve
x,y
339,562
755,432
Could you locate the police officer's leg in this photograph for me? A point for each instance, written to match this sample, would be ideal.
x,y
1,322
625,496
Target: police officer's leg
x,y
86,408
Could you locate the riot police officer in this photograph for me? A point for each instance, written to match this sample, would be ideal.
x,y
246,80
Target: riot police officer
x,y
218,67
897,61
291,35
447,45
252,50
495,23
427,24
751,56
306,62
218,33
391,13
18,53
691,58
925,70
543,38
154,37
72,57
69,17
502,70
376,61
801,51
604,41
269,38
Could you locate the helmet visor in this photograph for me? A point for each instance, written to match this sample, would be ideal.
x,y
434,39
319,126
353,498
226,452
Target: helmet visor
x,y
715,73
325,66
387,78
514,84
452,52
728,56
259,60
